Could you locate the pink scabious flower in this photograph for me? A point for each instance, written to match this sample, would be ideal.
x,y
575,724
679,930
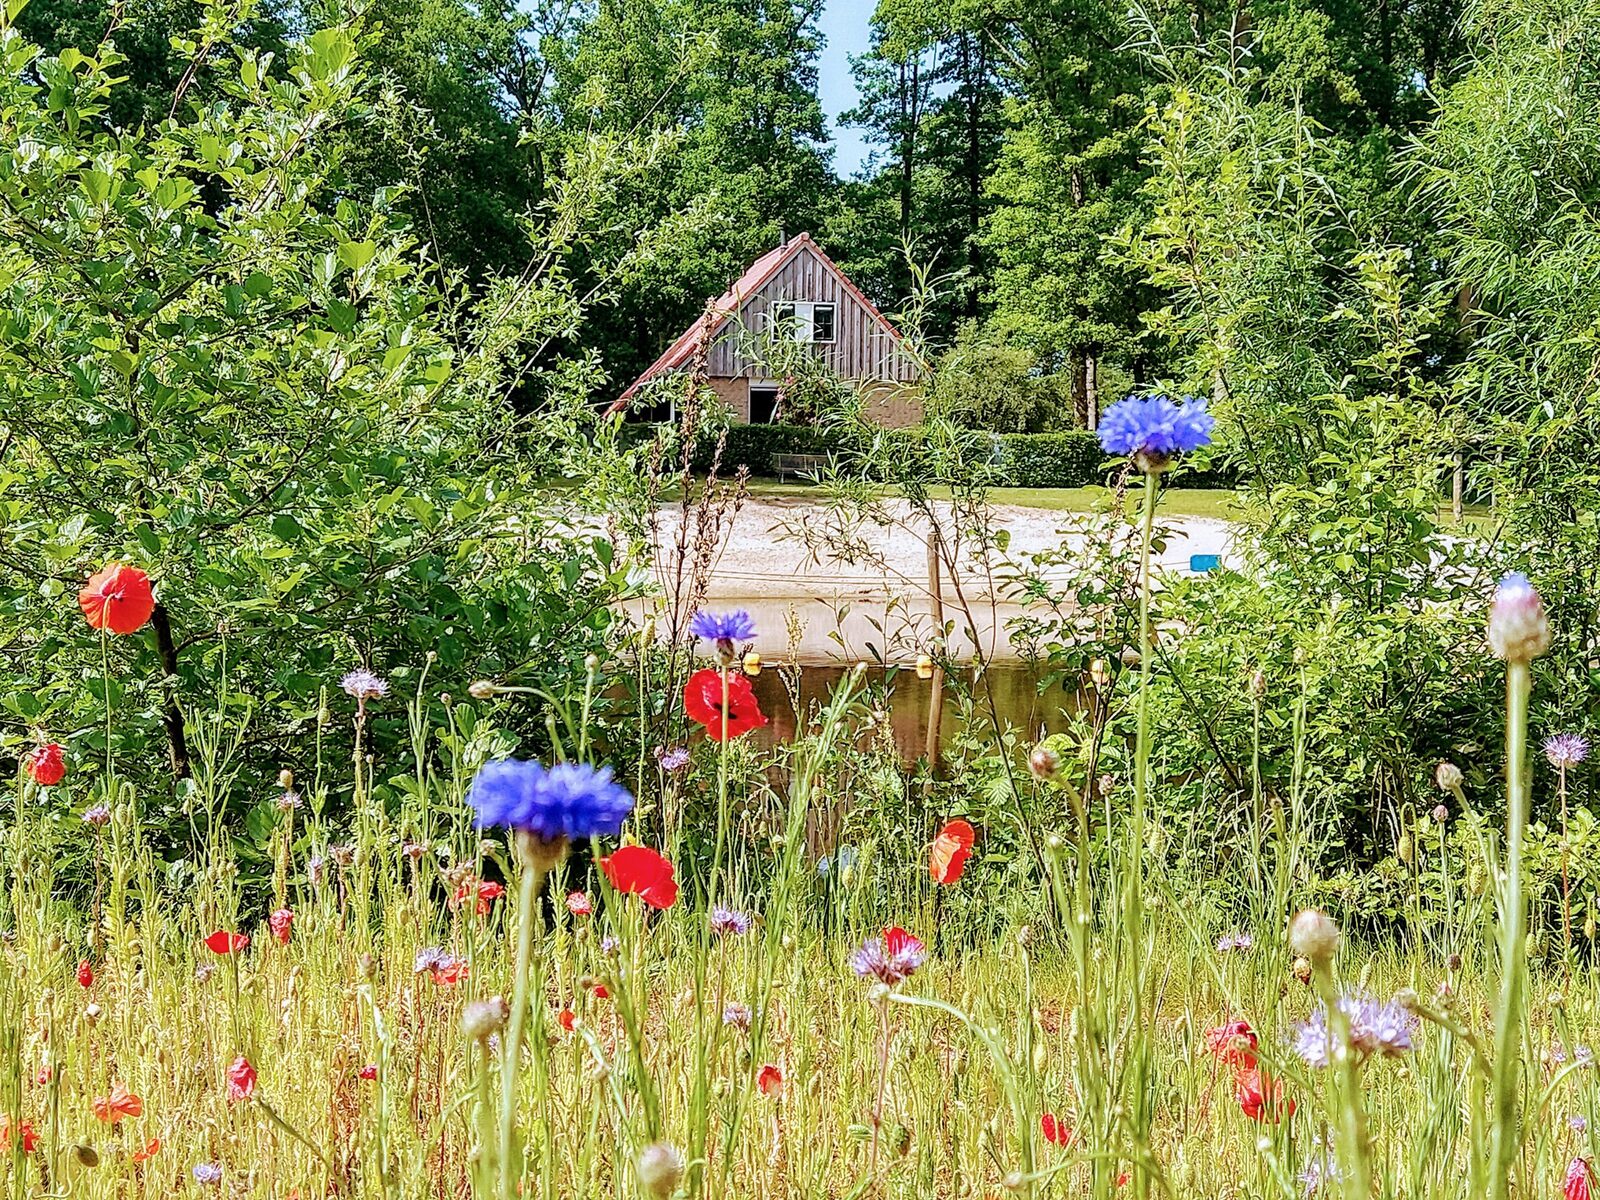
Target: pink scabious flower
x,y
579,904
890,959
1519,629
1376,1029
1566,750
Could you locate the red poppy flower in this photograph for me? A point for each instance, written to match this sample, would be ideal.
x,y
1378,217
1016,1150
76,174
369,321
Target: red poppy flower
x,y
1233,1044
770,1080
117,599
703,698
1056,1131
120,1103
241,1080
368,1072
600,992
151,1148
29,1137
1261,1097
1576,1185
640,871
450,972
566,1018
223,942
46,764
1124,1179
45,1075
951,849
578,904
280,923
85,973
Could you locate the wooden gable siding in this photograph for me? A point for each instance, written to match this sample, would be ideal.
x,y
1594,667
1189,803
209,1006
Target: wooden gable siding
x,y
862,348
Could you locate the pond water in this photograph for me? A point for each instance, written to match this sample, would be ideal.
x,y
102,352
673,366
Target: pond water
x,y
1015,687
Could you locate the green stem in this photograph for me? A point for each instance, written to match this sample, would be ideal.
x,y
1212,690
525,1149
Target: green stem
x,y
1504,1140
527,898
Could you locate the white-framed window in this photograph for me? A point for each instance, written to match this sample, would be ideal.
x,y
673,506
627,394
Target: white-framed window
x,y
805,321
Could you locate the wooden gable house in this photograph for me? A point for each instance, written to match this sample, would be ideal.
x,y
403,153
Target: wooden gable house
x,y
795,292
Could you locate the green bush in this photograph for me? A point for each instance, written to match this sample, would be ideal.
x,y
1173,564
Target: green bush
x,y
753,446
1048,460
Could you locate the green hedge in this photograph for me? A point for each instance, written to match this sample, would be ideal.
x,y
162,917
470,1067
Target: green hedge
x,y
753,446
1028,460
1048,460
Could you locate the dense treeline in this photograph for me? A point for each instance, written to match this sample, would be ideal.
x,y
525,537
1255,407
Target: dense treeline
x,y
1009,144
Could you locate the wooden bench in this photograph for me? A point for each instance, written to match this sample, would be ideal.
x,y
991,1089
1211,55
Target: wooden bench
x,y
797,464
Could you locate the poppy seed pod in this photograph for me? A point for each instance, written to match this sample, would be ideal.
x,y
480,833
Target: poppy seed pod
x,y
1314,935
660,1167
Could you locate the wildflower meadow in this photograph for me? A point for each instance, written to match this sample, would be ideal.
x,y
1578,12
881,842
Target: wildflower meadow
x,y
1137,744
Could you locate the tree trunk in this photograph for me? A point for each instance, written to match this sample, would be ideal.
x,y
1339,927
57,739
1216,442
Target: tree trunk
x,y
171,714
1091,389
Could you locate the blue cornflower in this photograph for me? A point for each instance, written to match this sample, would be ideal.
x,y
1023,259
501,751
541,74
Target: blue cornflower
x,y
207,1174
735,626
566,801
1375,1029
1153,430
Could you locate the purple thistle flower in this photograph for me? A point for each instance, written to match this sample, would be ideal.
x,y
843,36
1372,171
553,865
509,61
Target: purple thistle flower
x,y
1583,1057
890,959
736,1015
1376,1029
207,1174
735,626
1577,1123
364,685
1153,430
99,816
673,761
1566,750
431,958
569,800
1234,943
609,945
289,801
725,921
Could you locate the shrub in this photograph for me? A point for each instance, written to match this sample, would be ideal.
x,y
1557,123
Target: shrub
x,y
1048,460
753,446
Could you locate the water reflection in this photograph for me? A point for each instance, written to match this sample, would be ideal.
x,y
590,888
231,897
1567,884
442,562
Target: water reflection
x,y
1015,687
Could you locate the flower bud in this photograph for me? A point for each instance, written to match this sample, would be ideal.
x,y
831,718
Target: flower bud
x,y
1099,673
1519,630
1258,684
924,666
286,779
1314,935
1302,969
1044,762
591,663
1448,776
481,689
1441,814
660,1167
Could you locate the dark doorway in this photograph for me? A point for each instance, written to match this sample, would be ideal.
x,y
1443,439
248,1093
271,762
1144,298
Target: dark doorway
x,y
763,404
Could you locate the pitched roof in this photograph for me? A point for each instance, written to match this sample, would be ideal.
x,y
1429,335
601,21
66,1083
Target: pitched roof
x,y
726,306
